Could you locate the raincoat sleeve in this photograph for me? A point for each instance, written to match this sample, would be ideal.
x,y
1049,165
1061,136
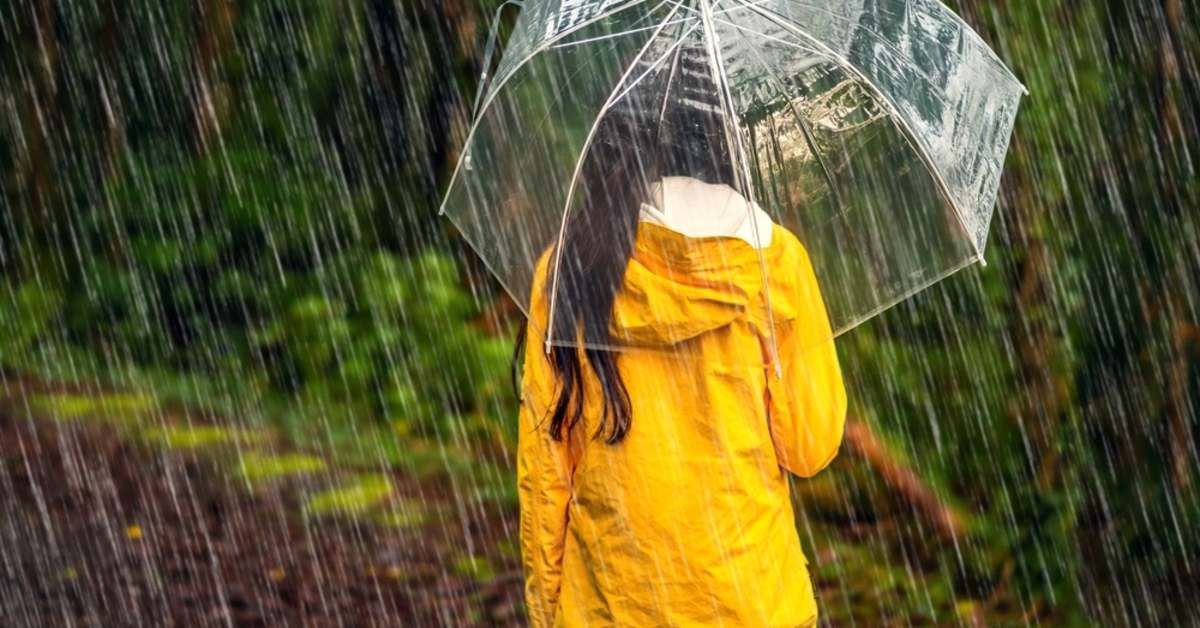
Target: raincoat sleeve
x,y
544,470
807,405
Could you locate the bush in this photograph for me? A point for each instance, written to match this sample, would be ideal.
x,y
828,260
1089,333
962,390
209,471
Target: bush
x,y
233,267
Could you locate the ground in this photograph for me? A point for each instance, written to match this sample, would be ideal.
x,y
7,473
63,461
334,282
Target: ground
x,y
114,517
99,530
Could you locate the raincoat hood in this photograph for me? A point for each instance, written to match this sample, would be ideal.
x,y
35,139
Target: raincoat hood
x,y
679,287
699,210
688,519
695,266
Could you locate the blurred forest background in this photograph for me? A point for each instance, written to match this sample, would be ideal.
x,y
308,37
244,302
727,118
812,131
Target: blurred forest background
x,y
233,203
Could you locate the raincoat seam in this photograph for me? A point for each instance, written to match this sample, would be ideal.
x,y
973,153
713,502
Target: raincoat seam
x,y
598,545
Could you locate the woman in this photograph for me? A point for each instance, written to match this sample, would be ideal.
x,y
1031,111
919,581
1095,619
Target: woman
x,y
651,479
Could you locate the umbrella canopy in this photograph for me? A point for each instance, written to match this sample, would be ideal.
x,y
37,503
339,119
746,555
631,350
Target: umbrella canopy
x,y
873,130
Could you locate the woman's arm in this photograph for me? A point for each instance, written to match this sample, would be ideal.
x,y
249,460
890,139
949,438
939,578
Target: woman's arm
x,y
544,469
807,405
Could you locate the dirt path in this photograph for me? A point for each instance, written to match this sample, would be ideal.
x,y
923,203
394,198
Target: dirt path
x,y
98,531
110,517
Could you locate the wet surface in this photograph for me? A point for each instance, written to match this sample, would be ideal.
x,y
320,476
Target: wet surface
x,y
101,531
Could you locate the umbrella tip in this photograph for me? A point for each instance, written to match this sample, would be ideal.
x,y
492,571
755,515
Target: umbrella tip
x,y
778,371
547,346
982,262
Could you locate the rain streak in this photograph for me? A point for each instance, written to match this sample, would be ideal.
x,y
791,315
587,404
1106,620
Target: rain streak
x,y
273,275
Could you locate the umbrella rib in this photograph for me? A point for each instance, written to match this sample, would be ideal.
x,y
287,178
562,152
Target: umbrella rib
x,y
769,37
615,35
901,123
587,143
855,322
680,5
654,65
726,95
662,112
490,48
971,34
739,7
496,87
748,4
800,120
551,41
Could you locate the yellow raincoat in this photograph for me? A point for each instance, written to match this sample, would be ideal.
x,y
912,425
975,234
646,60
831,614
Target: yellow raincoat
x,y
688,521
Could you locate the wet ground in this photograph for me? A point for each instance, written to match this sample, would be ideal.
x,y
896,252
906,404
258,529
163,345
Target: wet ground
x,y
97,530
114,516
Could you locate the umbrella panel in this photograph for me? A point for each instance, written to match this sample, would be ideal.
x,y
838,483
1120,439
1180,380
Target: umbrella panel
x,y
952,95
827,154
832,166
510,189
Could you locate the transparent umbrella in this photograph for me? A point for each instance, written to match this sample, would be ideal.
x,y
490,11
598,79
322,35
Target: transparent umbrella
x,y
873,130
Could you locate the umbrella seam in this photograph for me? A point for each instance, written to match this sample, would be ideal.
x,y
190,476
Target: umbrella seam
x,y
963,27
748,185
808,133
612,98
901,122
496,86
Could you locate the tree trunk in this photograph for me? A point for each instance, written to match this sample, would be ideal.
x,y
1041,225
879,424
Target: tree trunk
x,y
112,114
34,205
213,24
905,483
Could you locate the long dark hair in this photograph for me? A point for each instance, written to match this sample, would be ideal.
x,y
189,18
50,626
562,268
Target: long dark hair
x,y
670,124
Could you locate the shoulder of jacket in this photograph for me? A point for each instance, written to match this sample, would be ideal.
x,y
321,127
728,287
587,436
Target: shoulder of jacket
x,y
541,274
791,244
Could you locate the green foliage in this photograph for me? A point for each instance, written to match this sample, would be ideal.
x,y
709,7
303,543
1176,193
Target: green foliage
x,y
28,314
256,467
236,267
191,437
1053,391
477,567
292,255
114,408
391,332
356,498
403,513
